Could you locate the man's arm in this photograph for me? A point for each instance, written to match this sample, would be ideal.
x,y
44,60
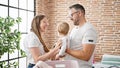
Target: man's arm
x,y
83,54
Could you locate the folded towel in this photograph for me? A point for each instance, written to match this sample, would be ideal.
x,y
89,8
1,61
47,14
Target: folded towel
x,y
111,60
111,63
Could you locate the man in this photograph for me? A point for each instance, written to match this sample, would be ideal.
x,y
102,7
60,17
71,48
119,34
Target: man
x,y
82,38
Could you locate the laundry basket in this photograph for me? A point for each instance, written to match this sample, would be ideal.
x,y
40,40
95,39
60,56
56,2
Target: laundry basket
x,y
63,64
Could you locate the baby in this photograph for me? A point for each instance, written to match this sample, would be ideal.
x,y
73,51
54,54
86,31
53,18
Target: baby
x,y
63,30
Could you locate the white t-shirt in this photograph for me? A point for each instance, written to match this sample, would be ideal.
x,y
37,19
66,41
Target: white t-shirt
x,y
65,43
82,35
31,40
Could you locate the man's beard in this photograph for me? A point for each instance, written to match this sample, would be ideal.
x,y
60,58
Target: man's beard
x,y
76,22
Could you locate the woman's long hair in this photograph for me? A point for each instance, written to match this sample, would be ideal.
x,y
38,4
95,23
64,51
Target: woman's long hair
x,y
35,27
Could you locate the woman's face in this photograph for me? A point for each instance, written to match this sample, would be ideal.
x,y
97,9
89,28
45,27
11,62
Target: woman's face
x,y
44,24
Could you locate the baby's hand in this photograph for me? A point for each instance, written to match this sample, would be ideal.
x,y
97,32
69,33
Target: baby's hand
x,y
57,57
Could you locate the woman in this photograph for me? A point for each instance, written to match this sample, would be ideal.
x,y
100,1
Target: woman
x,y
34,45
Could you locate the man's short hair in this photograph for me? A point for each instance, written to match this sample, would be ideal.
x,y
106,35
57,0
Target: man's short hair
x,y
78,7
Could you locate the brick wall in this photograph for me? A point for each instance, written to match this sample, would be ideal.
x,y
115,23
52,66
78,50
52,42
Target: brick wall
x,y
103,14
41,8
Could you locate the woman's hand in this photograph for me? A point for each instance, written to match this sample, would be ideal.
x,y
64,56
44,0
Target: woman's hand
x,y
55,50
57,57
59,42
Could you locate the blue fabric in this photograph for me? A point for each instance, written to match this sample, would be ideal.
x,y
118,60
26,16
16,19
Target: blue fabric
x,y
31,65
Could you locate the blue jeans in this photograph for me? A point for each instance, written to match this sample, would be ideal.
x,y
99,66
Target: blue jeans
x,y
31,65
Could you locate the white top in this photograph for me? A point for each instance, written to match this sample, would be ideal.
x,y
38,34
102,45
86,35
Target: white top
x,y
31,40
82,35
65,43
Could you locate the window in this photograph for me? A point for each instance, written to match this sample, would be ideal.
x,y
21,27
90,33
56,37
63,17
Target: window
x,y
25,10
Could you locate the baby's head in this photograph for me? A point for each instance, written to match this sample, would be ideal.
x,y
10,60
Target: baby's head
x,y
63,28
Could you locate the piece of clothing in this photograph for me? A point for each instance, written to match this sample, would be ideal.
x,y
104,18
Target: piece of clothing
x,y
82,35
41,64
31,65
65,43
31,40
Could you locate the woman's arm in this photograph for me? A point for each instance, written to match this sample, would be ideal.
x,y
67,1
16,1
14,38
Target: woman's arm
x,y
37,56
